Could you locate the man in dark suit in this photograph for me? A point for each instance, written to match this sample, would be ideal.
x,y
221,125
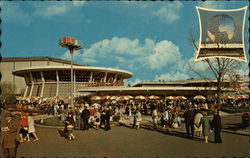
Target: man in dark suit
x,y
85,117
189,121
9,135
107,117
216,126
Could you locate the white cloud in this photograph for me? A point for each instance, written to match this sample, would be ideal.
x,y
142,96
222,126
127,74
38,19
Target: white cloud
x,y
14,13
134,82
169,12
164,53
120,59
133,54
198,65
56,8
173,76
212,4
51,10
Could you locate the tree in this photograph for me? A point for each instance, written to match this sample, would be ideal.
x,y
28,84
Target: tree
x,y
7,93
220,68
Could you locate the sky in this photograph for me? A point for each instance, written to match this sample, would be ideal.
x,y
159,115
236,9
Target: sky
x,y
149,39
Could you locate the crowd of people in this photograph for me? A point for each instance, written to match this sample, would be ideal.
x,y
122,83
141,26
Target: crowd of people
x,y
167,114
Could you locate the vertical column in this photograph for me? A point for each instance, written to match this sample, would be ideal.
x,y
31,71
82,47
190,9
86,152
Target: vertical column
x,y
25,92
105,77
32,84
115,78
74,73
121,82
57,83
91,76
43,82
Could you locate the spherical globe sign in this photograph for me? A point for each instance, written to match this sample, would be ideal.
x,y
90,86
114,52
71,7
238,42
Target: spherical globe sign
x,y
221,28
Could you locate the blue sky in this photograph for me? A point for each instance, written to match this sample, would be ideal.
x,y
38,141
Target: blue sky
x,y
149,39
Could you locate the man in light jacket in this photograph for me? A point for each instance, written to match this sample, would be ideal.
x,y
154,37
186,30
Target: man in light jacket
x,y
9,132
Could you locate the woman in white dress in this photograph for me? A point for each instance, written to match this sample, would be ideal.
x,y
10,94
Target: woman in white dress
x,y
31,127
138,119
197,120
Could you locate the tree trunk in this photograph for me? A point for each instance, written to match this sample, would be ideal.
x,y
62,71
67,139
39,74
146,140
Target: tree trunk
x,y
218,99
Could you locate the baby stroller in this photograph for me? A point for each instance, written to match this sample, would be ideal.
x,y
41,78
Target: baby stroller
x,y
68,130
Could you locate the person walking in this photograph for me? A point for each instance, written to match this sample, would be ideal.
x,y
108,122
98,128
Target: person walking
x,y
107,119
8,136
197,126
97,119
166,120
189,122
155,118
78,118
134,118
23,133
85,117
138,118
206,126
31,127
69,126
216,127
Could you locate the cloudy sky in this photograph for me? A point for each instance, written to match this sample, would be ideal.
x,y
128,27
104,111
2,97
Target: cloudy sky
x,y
149,39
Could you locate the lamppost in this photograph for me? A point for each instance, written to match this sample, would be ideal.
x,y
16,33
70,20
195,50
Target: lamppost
x,y
72,44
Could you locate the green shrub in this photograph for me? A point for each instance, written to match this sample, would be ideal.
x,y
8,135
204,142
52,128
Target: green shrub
x,y
7,93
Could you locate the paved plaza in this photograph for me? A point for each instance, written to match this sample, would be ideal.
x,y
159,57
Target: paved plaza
x,y
124,142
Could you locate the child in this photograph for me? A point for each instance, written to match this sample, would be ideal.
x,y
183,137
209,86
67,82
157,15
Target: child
x,y
69,126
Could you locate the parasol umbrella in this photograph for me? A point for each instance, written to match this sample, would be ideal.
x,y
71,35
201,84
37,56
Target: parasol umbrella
x,y
170,97
50,99
96,98
228,97
130,97
58,97
140,97
31,98
240,97
121,98
44,99
153,97
244,96
181,98
96,105
113,97
199,97
107,97
67,97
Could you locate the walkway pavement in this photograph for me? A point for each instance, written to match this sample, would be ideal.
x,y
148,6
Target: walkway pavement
x,y
147,124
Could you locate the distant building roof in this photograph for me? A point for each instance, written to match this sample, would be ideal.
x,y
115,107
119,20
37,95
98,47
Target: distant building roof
x,y
18,59
179,82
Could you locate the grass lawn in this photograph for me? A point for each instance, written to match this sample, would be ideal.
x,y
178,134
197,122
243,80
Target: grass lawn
x,y
54,121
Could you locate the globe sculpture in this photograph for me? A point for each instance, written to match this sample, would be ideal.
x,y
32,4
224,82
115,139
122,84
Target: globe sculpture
x,y
221,29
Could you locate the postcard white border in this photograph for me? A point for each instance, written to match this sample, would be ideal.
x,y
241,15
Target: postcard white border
x,y
243,27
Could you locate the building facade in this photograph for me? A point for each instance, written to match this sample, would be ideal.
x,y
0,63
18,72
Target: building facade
x,y
49,77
